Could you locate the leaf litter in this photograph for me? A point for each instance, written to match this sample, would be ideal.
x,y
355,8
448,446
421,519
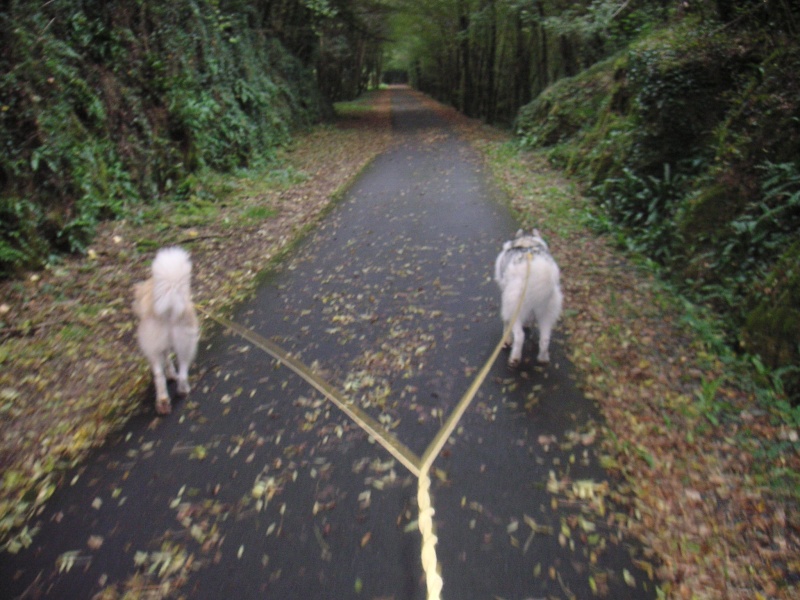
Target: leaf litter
x,y
688,493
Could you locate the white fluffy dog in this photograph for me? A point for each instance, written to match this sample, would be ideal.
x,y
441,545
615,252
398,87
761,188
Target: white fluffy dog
x,y
527,258
167,322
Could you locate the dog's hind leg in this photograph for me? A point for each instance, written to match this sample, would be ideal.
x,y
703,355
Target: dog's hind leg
x,y
153,342
518,336
509,307
547,320
183,376
183,379
507,340
163,406
544,343
185,349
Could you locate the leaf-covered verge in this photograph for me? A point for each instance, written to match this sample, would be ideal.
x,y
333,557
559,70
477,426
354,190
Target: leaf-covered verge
x,y
710,459
70,372
689,142
112,105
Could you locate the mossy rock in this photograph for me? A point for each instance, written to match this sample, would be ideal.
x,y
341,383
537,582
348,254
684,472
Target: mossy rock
x,y
709,212
567,107
772,327
680,94
605,149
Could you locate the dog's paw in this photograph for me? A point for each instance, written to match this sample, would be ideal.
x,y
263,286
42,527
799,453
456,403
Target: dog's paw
x,y
184,388
163,406
513,363
543,359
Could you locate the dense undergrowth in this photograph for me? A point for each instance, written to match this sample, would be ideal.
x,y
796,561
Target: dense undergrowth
x,y
107,106
689,142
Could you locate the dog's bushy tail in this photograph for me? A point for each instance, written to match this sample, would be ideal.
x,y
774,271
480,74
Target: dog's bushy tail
x,y
172,275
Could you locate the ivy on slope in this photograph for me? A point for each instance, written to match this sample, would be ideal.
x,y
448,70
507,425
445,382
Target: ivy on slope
x,y
688,140
105,105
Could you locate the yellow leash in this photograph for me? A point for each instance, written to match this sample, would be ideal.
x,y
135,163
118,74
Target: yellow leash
x,y
401,452
430,564
419,467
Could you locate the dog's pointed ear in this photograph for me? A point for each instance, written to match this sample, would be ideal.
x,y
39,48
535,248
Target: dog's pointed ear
x,y
520,233
536,233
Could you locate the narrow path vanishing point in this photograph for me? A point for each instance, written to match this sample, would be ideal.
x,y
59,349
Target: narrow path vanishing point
x,y
256,487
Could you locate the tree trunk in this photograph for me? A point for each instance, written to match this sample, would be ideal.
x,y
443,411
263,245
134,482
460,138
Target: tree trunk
x,y
542,63
491,92
522,66
467,93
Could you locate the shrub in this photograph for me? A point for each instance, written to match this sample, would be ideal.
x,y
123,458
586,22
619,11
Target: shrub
x,y
718,105
105,105
645,206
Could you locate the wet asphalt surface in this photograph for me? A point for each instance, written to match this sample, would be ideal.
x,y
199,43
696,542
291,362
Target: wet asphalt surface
x,y
256,487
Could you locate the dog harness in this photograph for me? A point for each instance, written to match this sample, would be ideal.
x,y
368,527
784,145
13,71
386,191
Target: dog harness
x,y
529,246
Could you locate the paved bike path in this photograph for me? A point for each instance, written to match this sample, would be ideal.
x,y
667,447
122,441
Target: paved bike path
x,y
256,487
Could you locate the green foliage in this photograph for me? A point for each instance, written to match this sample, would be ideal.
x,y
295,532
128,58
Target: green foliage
x,y
771,315
689,143
644,206
19,243
615,22
108,105
488,58
673,87
767,225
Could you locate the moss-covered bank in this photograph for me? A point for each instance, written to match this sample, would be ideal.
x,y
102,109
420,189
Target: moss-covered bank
x,y
107,105
690,142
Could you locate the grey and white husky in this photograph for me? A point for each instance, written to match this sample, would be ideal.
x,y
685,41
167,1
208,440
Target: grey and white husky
x,y
529,279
